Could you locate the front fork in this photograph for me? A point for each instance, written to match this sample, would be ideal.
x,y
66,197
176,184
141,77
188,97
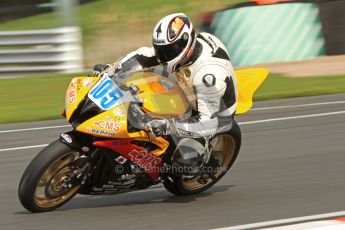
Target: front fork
x,y
208,150
82,163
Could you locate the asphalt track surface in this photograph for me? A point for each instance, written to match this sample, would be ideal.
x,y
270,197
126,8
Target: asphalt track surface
x,y
286,168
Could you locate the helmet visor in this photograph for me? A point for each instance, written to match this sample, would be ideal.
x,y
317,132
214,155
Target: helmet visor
x,y
166,53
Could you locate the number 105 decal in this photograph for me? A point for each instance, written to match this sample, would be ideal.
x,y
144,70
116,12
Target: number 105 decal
x,y
106,94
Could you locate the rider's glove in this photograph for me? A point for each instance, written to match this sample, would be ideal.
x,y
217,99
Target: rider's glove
x,y
98,69
157,127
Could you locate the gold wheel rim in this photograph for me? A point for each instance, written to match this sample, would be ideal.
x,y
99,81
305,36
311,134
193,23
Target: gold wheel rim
x,y
50,183
223,149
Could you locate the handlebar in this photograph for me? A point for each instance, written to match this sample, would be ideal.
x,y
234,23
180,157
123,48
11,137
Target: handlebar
x,y
139,117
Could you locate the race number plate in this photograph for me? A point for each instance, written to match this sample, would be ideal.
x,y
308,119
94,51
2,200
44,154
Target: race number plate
x,y
106,94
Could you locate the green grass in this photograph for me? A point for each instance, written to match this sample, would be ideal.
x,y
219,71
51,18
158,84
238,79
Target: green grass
x,y
106,24
279,86
42,98
30,99
110,11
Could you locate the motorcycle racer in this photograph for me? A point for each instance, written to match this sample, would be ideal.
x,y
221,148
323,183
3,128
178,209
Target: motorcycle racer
x,y
203,71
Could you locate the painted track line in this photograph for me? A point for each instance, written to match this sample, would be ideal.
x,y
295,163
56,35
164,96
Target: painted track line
x,y
292,117
23,147
31,129
301,105
254,109
284,221
240,123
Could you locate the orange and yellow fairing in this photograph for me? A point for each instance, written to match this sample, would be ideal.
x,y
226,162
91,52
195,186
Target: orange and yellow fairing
x,y
161,99
76,92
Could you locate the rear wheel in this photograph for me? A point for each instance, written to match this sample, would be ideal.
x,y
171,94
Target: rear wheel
x,y
44,185
225,148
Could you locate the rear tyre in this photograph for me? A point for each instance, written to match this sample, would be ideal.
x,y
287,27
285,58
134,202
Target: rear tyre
x,y
42,186
226,147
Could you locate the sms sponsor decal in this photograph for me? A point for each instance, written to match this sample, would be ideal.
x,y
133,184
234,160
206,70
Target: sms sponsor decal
x,y
107,125
71,93
144,159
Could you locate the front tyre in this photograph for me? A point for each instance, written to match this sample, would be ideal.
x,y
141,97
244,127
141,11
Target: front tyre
x,y
42,187
225,148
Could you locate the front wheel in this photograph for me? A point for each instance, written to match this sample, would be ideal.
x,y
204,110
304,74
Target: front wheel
x,y
43,187
225,148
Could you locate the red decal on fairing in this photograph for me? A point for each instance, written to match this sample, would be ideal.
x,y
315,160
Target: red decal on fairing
x,y
150,163
340,219
144,159
71,94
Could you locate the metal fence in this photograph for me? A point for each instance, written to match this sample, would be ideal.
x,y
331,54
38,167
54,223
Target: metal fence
x,y
39,51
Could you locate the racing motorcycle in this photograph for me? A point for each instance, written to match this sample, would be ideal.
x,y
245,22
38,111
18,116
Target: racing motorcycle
x,y
110,151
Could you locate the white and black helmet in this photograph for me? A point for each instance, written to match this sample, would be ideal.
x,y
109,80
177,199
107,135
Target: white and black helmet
x,y
173,40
